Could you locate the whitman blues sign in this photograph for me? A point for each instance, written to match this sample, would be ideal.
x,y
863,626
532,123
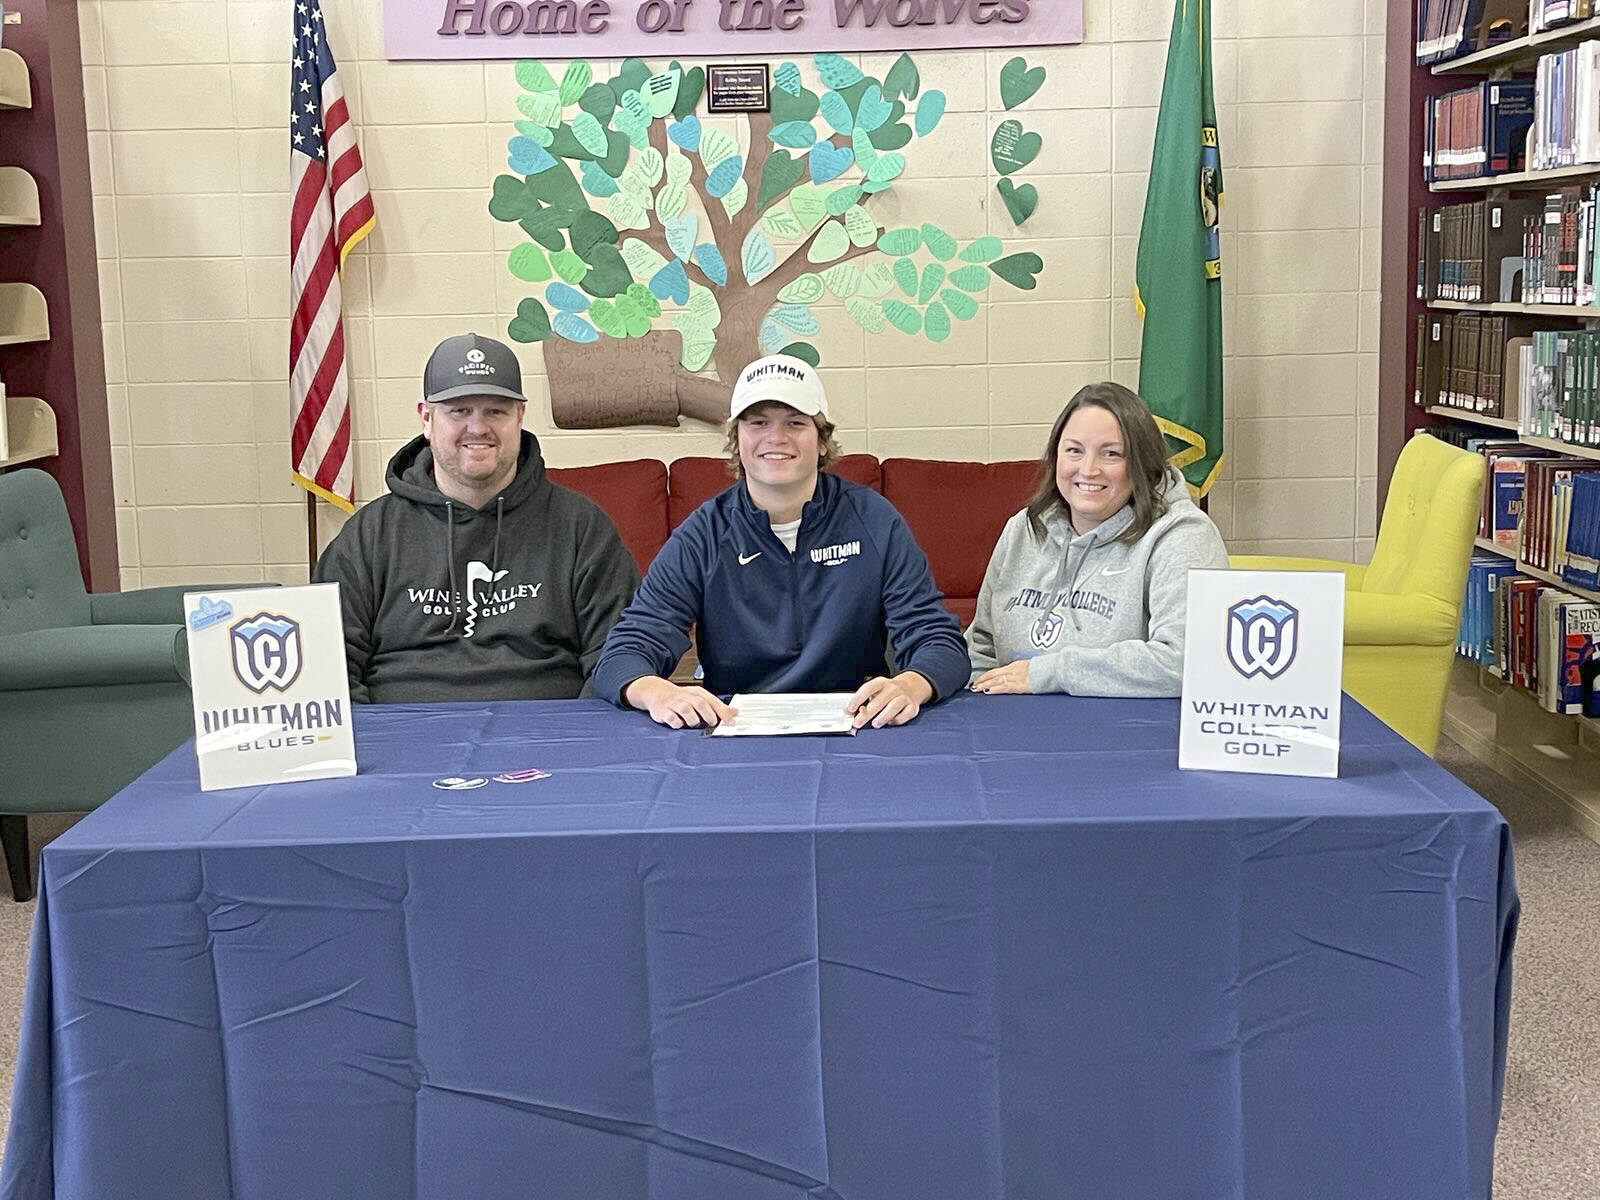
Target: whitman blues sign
x,y
271,695
1261,672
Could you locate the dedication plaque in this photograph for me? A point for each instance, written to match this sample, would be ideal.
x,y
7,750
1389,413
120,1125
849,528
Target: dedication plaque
x,y
738,87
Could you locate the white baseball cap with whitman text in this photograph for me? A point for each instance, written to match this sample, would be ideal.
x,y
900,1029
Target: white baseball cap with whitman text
x,y
781,379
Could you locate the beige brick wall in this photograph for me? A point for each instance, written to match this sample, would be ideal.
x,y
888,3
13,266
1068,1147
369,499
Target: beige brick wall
x,y
188,154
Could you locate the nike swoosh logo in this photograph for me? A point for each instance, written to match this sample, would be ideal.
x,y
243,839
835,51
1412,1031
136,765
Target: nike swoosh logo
x,y
746,559
1108,571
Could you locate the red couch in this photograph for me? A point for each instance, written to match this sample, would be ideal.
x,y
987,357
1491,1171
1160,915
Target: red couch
x,y
955,509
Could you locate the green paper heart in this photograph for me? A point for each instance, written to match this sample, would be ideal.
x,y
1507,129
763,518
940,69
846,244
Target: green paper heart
x,y
902,79
840,199
575,81
529,263
962,306
661,92
1017,82
1019,270
779,173
644,299
886,168
831,241
902,316
842,279
865,314
599,101
936,322
940,244
905,274
603,315
531,324
932,277
1011,148
804,351
809,206
569,266
1020,201
862,229
690,84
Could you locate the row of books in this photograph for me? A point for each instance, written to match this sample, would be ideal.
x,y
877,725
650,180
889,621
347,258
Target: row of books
x,y
1542,508
1557,381
1450,28
1477,130
1548,14
1558,247
1566,108
1465,360
1533,635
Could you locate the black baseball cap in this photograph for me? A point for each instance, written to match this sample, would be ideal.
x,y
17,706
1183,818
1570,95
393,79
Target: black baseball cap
x,y
470,364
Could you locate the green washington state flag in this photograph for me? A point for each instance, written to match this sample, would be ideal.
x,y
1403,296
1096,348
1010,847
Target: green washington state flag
x,y
1178,276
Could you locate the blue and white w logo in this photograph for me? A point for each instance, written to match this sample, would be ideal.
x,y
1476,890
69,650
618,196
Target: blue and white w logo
x,y
266,652
1263,635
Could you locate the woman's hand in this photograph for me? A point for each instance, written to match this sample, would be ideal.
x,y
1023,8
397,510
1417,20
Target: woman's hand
x,y
999,681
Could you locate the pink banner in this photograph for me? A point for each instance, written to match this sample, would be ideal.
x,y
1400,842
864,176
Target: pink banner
x,y
663,29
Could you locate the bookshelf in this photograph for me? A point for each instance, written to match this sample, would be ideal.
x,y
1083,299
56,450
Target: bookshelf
x,y
52,368
1502,724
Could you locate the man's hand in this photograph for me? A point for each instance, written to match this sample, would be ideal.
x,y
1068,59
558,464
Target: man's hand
x,y
1011,678
676,707
884,701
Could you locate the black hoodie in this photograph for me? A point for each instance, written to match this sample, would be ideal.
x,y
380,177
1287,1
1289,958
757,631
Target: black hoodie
x,y
443,601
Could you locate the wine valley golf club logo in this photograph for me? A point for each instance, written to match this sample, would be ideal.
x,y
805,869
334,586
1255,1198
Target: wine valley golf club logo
x,y
1263,635
266,652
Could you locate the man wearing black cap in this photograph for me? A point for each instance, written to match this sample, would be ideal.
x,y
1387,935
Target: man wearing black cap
x,y
475,578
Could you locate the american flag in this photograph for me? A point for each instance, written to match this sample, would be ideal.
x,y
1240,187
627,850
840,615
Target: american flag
x,y
332,211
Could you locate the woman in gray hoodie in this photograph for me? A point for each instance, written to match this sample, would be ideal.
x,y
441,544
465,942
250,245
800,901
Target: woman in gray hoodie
x,y
1087,587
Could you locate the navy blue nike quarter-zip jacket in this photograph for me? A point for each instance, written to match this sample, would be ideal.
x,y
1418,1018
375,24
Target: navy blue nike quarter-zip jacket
x,y
819,620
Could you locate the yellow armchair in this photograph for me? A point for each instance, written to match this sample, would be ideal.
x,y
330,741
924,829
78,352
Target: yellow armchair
x,y
1403,609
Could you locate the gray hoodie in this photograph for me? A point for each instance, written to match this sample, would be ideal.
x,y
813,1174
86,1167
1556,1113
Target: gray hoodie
x,y
1094,616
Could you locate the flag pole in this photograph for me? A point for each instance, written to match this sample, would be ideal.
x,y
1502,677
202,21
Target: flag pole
x,y
311,533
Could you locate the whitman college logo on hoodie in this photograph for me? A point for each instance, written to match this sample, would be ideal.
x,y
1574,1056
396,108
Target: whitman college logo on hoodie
x,y
485,597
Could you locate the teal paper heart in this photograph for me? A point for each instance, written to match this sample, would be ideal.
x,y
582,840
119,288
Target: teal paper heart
x,y
873,110
828,161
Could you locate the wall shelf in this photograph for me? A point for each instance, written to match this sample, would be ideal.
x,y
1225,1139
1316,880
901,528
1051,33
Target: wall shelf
x,y
1561,447
1520,50
30,430
1506,551
1582,311
24,316
19,197
1471,418
15,89
1522,181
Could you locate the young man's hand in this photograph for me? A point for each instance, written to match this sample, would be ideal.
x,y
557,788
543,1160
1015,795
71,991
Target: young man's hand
x,y
884,701
676,707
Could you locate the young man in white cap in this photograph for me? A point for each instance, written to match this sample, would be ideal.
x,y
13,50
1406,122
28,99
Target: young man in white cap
x,y
475,578
795,581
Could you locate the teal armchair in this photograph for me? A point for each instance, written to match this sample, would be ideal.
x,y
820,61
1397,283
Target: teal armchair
x,y
93,688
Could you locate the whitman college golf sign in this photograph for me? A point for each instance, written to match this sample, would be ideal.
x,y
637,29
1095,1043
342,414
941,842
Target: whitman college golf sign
x,y
617,28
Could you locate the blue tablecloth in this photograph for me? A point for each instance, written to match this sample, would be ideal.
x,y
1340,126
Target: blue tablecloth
x,y
1006,951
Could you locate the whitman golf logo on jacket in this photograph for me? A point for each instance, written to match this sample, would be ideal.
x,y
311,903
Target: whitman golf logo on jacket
x,y
484,597
832,556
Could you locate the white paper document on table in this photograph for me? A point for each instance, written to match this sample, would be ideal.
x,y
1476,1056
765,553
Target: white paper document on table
x,y
786,713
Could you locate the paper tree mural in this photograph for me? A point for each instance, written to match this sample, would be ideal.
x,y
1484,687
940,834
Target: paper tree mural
x,y
665,257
